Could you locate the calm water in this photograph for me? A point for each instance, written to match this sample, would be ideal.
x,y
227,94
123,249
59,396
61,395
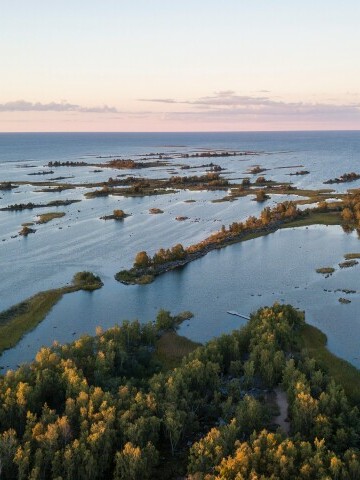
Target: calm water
x,y
243,277
43,147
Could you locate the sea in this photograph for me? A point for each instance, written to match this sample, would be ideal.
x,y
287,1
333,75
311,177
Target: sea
x,y
279,267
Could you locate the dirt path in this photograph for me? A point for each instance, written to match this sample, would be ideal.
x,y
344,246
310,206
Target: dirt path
x,y
283,404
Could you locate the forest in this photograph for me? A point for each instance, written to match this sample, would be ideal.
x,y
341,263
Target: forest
x,y
107,407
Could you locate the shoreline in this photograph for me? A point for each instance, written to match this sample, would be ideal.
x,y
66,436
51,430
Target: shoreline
x,y
143,276
20,322
24,316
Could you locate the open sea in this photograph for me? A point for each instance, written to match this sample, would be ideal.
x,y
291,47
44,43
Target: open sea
x,y
278,267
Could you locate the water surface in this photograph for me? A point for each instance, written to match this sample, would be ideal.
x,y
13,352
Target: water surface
x,y
242,277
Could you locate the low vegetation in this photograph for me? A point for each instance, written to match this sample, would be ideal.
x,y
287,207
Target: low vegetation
x,y
316,217
7,186
257,169
120,164
215,154
139,187
351,256
155,211
67,164
344,300
171,348
30,206
314,341
86,281
55,188
261,196
300,172
274,188
325,270
348,263
116,215
26,230
47,217
346,177
43,172
19,319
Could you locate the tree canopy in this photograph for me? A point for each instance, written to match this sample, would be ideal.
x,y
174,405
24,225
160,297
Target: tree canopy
x,y
104,407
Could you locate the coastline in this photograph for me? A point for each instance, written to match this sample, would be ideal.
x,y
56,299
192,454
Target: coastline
x,y
23,317
143,276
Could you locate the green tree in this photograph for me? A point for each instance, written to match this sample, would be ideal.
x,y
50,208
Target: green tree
x,y
142,260
8,447
174,421
164,321
134,463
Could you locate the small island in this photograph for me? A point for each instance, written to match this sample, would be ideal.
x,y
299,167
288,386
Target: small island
x,y
348,263
261,196
117,164
300,172
43,172
7,186
325,270
26,230
116,215
351,256
30,205
346,177
47,217
256,169
155,211
344,301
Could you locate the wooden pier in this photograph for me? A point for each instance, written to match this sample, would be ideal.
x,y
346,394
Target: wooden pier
x,y
237,314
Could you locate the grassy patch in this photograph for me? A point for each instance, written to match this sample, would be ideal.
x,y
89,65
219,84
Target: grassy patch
x,y
26,230
316,218
351,256
325,270
155,211
145,279
345,374
348,263
47,217
26,315
312,196
131,277
171,348
252,236
227,198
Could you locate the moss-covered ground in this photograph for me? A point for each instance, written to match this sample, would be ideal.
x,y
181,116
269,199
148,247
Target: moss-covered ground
x,y
314,341
24,316
171,348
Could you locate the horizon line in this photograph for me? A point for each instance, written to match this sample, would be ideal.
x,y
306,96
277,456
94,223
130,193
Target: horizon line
x,y
183,131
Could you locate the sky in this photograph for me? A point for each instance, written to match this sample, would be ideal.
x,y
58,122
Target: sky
x,y
170,65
